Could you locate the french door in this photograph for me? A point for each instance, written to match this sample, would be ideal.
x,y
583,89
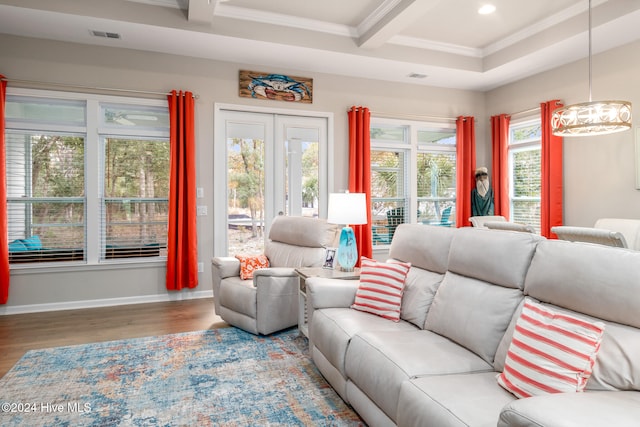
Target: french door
x,y
274,164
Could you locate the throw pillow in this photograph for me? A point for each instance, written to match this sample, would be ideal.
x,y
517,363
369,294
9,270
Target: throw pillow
x,y
32,243
550,352
250,263
381,287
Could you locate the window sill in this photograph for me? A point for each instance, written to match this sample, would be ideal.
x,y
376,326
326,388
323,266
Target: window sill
x,y
75,267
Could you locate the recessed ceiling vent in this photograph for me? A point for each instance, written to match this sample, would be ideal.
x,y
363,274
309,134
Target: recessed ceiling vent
x,y
105,34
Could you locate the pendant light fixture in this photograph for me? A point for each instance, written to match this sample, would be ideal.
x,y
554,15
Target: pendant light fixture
x,y
593,117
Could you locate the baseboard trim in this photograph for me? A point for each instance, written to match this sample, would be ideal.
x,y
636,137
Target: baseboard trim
x,y
107,302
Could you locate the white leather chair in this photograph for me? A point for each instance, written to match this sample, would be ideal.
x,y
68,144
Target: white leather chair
x,y
618,232
590,235
629,228
480,221
269,302
510,226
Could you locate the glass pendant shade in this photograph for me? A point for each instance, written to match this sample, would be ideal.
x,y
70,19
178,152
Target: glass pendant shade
x,y
593,117
589,118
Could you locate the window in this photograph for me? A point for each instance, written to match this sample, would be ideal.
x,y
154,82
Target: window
x,y
413,171
87,177
525,172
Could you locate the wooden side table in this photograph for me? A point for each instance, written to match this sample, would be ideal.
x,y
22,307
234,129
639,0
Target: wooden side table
x,y
306,272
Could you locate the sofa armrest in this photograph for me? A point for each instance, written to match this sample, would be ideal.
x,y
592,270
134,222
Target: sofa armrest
x,y
329,293
591,408
226,266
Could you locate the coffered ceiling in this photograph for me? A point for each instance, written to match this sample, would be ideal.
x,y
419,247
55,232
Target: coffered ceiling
x,y
442,43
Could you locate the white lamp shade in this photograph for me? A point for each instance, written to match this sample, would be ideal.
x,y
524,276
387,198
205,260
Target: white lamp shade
x,y
347,208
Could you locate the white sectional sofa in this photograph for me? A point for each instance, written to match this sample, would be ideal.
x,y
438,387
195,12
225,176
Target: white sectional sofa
x,y
438,365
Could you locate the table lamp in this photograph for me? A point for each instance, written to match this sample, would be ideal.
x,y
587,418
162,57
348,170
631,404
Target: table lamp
x,y
347,208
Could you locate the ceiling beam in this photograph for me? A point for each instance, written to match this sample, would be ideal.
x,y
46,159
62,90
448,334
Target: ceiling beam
x,y
201,11
391,18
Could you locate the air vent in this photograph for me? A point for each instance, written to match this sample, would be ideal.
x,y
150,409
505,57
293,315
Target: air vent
x,y
105,34
417,76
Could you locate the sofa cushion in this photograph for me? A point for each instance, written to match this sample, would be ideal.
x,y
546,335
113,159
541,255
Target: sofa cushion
x,y
452,400
378,362
420,287
381,287
239,295
493,256
286,255
303,231
332,329
473,313
596,280
250,263
619,409
550,352
424,246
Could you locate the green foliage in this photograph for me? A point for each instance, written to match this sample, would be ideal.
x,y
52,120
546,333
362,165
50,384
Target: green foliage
x,y
57,166
136,168
527,173
436,175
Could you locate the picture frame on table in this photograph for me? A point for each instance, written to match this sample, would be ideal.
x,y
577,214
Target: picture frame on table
x,y
329,258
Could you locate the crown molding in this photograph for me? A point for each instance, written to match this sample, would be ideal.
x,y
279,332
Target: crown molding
x,y
228,11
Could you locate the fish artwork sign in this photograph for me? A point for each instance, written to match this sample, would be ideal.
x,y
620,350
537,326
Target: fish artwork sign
x,y
259,85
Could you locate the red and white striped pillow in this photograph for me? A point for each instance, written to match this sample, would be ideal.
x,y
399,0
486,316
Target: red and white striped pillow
x,y
381,287
550,352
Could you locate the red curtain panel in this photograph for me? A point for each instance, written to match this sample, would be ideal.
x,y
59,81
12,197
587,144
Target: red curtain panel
x,y
551,180
360,172
4,227
465,169
182,243
500,163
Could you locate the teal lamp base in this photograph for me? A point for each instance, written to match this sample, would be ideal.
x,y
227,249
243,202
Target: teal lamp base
x,y
347,250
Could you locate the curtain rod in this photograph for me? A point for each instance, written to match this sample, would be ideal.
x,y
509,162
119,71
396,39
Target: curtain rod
x,y
410,116
72,86
529,111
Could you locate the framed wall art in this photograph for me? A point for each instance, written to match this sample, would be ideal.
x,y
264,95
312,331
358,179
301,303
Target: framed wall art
x,y
279,87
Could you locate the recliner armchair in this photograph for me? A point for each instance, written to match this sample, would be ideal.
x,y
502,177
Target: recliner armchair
x,y
269,302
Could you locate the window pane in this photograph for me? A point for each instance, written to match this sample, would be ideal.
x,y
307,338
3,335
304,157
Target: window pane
x,y
43,111
136,168
527,212
436,188
387,174
132,116
246,194
526,173
383,133
388,193
437,137
525,133
135,228
301,170
526,186
46,205
136,190
436,175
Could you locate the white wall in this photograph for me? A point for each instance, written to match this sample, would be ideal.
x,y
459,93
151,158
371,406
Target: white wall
x,y
214,82
599,171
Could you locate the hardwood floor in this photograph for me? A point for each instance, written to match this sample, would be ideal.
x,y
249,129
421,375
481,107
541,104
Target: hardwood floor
x,y
22,332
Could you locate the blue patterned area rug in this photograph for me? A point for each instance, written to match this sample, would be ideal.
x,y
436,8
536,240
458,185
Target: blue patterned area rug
x,y
221,377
